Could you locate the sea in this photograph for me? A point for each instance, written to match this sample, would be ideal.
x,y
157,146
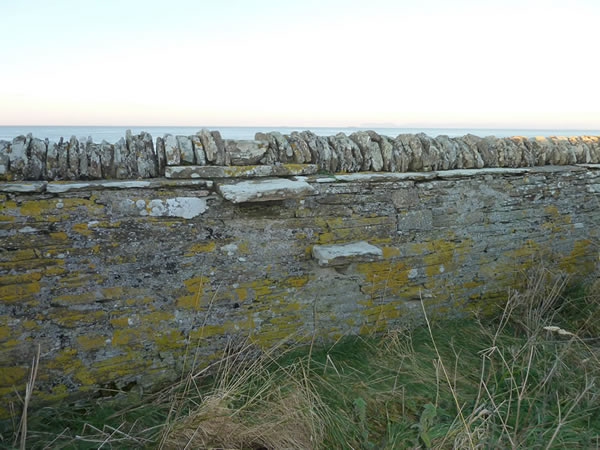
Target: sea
x,y
112,134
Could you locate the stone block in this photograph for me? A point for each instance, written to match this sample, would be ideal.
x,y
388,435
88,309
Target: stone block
x,y
265,190
342,254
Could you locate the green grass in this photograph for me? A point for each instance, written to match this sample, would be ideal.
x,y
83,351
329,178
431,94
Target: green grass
x,y
524,378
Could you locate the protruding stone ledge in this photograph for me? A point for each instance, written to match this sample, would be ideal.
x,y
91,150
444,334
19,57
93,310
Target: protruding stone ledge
x,y
370,177
461,173
590,166
342,254
23,187
58,188
62,187
265,190
282,170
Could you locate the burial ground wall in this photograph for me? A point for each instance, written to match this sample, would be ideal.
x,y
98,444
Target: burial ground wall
x,y
117,280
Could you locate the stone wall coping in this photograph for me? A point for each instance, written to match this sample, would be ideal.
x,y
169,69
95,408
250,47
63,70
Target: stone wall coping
x,y
60,187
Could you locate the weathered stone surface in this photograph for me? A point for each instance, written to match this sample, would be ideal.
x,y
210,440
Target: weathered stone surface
x,y
35,186
281,170
4,171
371,153
461,173
186,150
37,160
208,144
161,156
413,149
94,163
245,152
198,150
130,155
221,158
271,155
349,154
106,153
299,147
265,190
124,274
284,150
17,155
385,177
136,157
147,163
183,207
342,254
120,153
172,150
62,187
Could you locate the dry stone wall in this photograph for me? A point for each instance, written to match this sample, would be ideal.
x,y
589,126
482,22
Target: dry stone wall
x,y
137,156
117,280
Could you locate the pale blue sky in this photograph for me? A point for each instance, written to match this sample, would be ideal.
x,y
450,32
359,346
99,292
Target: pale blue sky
x,y
530,64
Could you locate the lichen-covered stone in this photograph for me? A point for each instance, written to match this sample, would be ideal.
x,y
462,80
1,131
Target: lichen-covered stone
x,y
299,147
120,153
245,152
348,253
114,278
265,190
106,153
198,150
37,160
172,150
371,153
4,149
186,150
17,156
250,171
161,157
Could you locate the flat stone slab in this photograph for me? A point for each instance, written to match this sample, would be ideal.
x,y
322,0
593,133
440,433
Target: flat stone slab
x,y
342,254
60,187
23,187
370,177
265,190
590,166
460,173
281,170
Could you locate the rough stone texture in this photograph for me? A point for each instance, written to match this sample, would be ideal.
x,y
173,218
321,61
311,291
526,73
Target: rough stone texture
x,y
172,150
282,170
17,156
161,156
198,151
265,190
115,279
186,150
244,152
135,156
4,149
343,254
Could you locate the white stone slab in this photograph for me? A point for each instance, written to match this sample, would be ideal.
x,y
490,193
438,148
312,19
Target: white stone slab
x,y
265,190
341,254
58,188
23,187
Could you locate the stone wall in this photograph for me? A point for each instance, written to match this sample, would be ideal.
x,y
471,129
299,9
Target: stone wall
x,y
119,280
137,156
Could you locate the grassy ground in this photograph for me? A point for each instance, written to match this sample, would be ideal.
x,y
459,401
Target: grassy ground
x,y
525,378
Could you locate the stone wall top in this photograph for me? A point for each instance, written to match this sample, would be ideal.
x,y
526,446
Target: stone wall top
x,y
137,156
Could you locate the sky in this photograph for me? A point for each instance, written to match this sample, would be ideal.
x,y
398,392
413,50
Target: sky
x,y
404,63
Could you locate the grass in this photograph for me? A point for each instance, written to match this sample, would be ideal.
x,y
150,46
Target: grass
x,y
524,378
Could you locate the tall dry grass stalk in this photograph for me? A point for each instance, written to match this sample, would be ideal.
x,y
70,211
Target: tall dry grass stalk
x,y
21,435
